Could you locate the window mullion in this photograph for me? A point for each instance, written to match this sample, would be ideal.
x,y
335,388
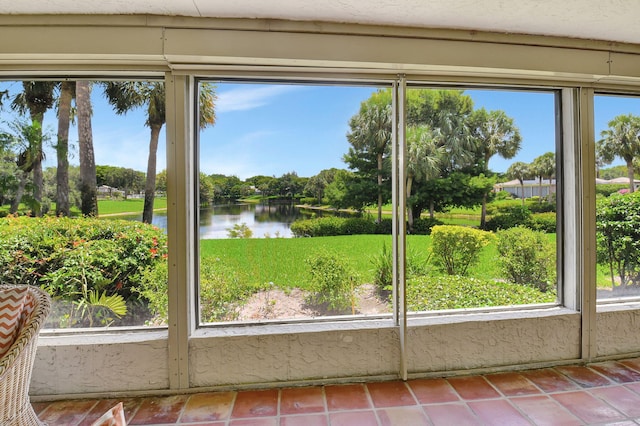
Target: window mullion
x,y
399,214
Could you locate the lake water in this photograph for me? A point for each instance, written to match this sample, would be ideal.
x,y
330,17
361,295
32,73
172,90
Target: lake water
x,y
264,220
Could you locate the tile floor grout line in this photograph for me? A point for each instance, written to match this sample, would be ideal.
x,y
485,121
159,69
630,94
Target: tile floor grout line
x,y
182,409
373,406
589,391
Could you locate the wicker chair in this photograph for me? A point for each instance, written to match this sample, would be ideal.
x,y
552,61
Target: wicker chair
x,y
17,363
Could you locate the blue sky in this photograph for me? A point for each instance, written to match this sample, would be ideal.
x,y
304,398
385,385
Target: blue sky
x,y
274,129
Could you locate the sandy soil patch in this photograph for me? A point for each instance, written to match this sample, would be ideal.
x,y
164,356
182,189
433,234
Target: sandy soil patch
x,y
278,304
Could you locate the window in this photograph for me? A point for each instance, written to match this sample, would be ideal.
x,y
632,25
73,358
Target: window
x,y
295,195
294,188
617,133
481,181
74,191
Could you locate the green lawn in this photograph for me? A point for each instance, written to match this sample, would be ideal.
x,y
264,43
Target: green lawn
x,y
282,260
132,205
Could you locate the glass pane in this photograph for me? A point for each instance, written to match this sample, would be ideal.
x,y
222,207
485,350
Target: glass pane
x,y
288,184
481,198
73,181
617,131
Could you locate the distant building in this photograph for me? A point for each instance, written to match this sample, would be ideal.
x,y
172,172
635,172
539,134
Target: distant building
x,y
108,191
533,187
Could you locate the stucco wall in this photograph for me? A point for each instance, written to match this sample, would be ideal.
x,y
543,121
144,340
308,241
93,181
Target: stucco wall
x,y
618,329
483,341
282,354
83,364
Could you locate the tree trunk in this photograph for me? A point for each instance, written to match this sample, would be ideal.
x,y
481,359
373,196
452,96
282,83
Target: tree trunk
x,y
88,180
409,209
38,180
379,188
630,175
62,149
483,212
540,191
150,187
19,193
38,183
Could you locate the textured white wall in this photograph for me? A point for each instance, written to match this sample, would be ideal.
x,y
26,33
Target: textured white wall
x,y
484,341
617,330
284,357
343,351
94,364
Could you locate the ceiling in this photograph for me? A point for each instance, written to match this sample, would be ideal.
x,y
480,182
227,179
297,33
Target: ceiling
x,y
609,20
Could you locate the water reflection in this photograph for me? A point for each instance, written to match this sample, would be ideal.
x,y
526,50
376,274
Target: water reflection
x,y
265,220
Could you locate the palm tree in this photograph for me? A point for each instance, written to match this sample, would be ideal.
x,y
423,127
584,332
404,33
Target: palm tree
x,y
371,131
494,133
519,171
621,139
125,96
29,138
544,166
88,181
456,139
36,98
424,158
67,89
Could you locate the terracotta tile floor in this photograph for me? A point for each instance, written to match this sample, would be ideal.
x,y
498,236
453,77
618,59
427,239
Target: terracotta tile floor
x,y
606,393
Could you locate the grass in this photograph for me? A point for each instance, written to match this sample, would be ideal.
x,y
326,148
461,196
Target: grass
x,y
282,260
130,206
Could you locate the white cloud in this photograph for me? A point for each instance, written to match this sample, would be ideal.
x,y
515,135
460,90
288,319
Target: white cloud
x,y
250,97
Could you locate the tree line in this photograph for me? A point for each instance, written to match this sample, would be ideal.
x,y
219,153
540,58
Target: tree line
x,y
22,142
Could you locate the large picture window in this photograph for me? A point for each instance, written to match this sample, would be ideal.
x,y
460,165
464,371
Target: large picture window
x,y
289,179
83,198
295,200
481,191
617,135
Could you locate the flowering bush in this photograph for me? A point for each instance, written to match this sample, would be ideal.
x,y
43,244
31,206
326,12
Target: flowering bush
x,y
74,257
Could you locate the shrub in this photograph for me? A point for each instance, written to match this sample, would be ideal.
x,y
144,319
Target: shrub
x,y
543,207
239,230
618,236
357,226
456,248
53,252
222,291
509,217
90,266
544,222
331,226
430,293
153,287
607,189
384,227
383,267
332,281
503,195
527,257
309,201
423,226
